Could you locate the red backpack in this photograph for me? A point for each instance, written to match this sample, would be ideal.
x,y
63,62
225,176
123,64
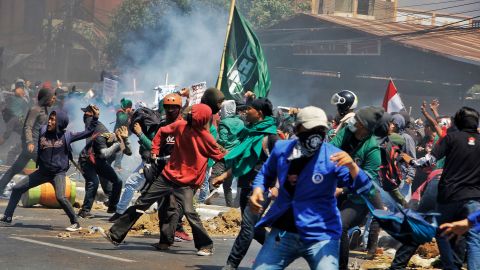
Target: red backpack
x,y
390,172
90,153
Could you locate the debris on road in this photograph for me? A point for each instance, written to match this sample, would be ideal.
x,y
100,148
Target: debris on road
x,y
64,235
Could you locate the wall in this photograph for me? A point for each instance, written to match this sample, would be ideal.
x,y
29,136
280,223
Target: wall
x,y
312,79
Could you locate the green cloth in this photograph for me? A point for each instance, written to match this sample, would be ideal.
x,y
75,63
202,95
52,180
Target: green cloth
x,y
244,66
441,162
228,132
122,120
367,157
214,132
397,139
126,103
243,158
145,142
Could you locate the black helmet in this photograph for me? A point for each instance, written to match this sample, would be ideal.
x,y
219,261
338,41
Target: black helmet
x,y
345,100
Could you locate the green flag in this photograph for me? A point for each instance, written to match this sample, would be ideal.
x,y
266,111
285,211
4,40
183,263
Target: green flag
x,y
244,65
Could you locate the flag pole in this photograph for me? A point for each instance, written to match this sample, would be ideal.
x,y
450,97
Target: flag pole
x,y
222,64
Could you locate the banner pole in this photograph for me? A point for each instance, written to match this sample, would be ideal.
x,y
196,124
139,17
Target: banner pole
x,y
222,63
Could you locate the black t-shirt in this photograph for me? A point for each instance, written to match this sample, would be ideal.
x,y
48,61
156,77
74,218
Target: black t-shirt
x,y
287,221
461,174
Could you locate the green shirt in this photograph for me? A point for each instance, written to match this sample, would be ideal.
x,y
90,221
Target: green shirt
x,y
213,131
367,156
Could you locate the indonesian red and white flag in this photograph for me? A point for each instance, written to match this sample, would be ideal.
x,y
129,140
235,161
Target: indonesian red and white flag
x,y
392,101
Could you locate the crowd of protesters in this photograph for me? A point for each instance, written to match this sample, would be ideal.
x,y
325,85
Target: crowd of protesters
x,y
308,185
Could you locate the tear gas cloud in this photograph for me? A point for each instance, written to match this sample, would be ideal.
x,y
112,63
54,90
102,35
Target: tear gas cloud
x,y
190,51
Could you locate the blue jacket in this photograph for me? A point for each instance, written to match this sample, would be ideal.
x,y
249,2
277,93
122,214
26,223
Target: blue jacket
x,y
54,147
314,204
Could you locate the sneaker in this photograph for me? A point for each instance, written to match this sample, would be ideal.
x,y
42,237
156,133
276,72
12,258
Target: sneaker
x,y
355,239
74,227
114,217
112,210
153,209
6,221
214,194
229,267
106,235
85,214
205,252
182,237
161,246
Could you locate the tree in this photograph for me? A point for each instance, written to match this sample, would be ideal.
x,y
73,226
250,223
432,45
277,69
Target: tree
x,y
131,18
135,18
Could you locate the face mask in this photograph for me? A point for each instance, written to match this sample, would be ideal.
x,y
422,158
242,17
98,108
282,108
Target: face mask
x,y
189,119
86,118
351,124
311,141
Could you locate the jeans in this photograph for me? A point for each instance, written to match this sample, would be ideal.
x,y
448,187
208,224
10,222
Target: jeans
x,y
91,173
406,190
134,183
354,214
17,167
282,248
217,170
247,233
118,160
454,211
36,179
244,197
162,189
205,188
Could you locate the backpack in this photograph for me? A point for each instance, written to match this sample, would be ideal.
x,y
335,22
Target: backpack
x,y
390,172
148,119
90,152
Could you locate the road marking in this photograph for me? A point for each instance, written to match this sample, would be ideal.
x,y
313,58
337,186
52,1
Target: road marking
x,y
71,249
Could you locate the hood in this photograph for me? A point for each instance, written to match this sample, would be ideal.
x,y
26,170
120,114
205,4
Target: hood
x,y
44,96
382,128
406,116
370,117
62,121
201,115
211,98
229,109
399,121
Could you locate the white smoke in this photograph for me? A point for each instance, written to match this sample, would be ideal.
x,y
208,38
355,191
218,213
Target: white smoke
x,y
191,50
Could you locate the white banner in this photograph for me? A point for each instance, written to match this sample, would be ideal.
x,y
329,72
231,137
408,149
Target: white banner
x,y
196,92
110,88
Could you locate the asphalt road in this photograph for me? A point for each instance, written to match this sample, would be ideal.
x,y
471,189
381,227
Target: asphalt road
x,y
34,243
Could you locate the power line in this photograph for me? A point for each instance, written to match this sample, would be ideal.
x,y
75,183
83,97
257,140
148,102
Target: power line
x,y
376,22
381,21
439,30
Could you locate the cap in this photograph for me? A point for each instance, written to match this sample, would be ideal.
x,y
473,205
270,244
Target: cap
x,y
310,117
87,109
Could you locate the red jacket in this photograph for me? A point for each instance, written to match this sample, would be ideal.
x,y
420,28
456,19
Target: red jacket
x,y
194,145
